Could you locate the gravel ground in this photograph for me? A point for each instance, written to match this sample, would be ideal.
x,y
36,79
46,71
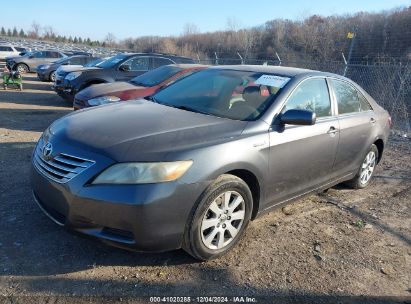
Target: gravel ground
x,y
343,245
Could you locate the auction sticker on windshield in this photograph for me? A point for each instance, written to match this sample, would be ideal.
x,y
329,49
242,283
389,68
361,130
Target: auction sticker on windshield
x,y
272,81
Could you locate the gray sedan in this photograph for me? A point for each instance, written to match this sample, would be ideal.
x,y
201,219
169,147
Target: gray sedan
x,y
190,166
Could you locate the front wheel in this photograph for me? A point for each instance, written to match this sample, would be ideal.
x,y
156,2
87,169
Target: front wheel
x,y
52,76
366,171
220,218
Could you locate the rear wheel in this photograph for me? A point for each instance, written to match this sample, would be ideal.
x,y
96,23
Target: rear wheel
x,y
366,171
220,218
22,68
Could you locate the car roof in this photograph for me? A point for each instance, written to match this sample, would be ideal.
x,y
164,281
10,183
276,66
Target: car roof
x,y
190,65
281,70
156,55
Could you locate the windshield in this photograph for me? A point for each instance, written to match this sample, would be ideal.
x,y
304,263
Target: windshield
x,y
240,95
156,76
95,62
112,61
62,60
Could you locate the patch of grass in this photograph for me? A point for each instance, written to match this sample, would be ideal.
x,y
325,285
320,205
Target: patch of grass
x,y
359,223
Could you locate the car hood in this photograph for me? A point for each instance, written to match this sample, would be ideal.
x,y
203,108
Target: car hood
x,y
106,89
13,57
141,130
75,68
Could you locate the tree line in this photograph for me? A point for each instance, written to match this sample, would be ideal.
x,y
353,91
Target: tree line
x,y
47,33
372,37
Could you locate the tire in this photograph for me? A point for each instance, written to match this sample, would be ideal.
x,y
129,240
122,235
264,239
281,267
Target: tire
x,y
212,229
363,178
22,68
52,76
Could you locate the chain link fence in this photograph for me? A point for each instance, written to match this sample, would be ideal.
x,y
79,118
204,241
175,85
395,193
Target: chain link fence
x,y
389,85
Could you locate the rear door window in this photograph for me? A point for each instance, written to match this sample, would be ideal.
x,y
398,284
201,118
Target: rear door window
x,y
76,60
158,62
349,100
138,63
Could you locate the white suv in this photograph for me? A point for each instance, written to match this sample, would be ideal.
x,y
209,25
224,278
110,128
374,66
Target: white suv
x,y
7,50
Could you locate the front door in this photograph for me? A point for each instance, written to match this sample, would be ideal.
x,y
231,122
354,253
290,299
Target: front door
x,y
133,67
302,157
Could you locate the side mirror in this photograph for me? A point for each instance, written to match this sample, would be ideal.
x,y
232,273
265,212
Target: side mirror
x,y
125,68
298,117
67,63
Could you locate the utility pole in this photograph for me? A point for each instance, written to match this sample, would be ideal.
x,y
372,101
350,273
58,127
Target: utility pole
x,y
350,35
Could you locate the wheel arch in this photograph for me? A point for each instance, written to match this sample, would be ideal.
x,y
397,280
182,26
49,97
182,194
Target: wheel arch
x,y
379,143
252,182
21,63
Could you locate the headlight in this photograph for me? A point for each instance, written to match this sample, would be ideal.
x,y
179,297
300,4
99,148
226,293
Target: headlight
x,y
143,173
72,75
102,100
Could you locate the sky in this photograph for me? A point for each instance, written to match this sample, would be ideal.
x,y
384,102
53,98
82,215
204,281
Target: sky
x,y
134,18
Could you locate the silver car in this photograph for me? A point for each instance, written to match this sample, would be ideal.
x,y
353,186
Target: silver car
x,y
30,61
191,165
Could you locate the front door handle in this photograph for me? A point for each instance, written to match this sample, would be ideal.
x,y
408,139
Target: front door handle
x,y
332,130
372,120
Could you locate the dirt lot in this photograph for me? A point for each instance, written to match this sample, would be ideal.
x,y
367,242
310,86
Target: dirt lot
x,y
353,244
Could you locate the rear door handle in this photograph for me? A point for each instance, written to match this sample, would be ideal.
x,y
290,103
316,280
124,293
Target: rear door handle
x,y
372,120
332,130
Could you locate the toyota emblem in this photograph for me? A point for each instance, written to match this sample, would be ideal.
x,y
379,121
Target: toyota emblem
x,y
47,150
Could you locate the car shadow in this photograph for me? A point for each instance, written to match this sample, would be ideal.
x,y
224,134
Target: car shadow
x,y
205,284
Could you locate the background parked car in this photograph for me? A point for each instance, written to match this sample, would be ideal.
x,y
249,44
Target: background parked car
x,y
30,61
140,86
122,67
8,50
46,72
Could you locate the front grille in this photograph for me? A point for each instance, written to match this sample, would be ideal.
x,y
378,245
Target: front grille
x,y
59,78
60,168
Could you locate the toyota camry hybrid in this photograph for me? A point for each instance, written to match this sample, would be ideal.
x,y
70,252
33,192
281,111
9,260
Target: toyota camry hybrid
x,y
190,166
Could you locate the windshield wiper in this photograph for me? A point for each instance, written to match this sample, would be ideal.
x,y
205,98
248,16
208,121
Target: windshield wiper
x,y
151,98
185,108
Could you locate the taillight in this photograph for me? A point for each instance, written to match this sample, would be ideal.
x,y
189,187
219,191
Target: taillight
x,y
390,121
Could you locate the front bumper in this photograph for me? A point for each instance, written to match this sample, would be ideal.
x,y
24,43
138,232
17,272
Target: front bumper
x,y
42,75
63,91
150,217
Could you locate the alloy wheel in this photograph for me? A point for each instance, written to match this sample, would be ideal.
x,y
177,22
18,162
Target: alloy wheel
x,y
367,167
223,220
21,69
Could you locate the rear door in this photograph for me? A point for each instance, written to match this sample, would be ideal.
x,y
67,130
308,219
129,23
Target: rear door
x,y
51,56
36,59
135,66
302,157
356,119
